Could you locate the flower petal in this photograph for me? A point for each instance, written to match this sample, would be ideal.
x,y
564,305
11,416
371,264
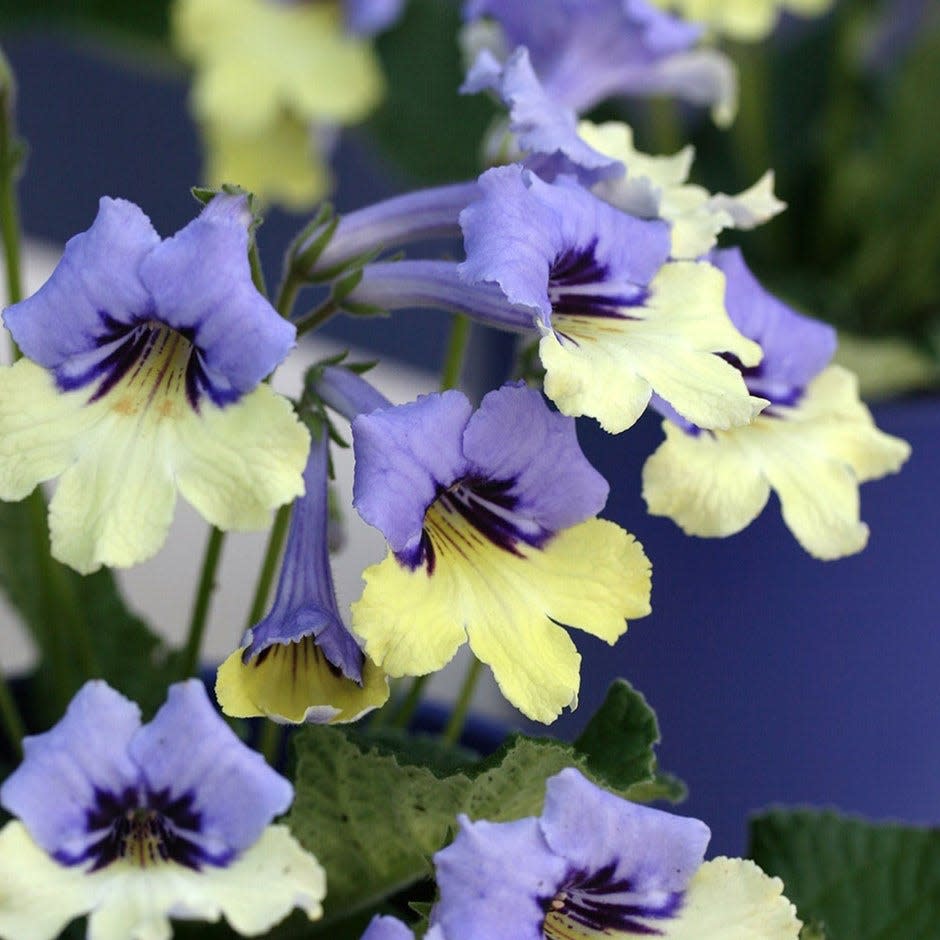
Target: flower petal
x,y
38,897
669,347
119,239
187,750
494,879
85,753
403,456
236,464
732,899
293,683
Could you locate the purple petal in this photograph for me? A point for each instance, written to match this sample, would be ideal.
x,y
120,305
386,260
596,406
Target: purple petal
x,y
387,928
348,393
522,227
201,285
65,770
405,456
515,436
305,602
594,831
543,127
97,278
368,17
495,879
796,348
188,755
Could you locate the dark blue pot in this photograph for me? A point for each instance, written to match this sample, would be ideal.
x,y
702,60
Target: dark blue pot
x,y
778,678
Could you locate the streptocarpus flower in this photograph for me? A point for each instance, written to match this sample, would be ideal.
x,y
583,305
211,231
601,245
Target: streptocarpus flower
x,y
136,824
618,320
300,663
594,865
747,20
813,445
143,371
270,77
585,51
390,928
489,518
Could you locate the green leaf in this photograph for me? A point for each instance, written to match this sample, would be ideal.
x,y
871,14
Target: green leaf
x,y
371,822
864,881
81,625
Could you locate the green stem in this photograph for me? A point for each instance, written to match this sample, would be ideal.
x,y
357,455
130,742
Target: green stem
x,y
269,565
459,715
11,718
257,272
200,614
270,745
287,294
10,155
751,130
411,702
456,350
318,316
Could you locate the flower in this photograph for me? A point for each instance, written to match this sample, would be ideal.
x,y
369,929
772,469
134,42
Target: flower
x,y
617,321
270,78
300,663
490,523
390,928
657,188
143,371
747,20
813,445
135,823
585,51
595,865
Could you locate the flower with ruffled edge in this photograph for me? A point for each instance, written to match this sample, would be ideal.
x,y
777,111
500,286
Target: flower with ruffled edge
x,y
300,663
489,518
270,80
585,51
135,824
143,371
813,445
747,20
657,187
595,865
618,321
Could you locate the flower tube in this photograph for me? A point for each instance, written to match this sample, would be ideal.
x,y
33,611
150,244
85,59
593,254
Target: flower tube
x,y
143,369
813,445
134,824
490,522
594,865
300,663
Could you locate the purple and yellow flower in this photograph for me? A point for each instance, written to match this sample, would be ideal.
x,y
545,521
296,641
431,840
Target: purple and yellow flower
x,y
813,445
618,320
134,824
490,521
585,51
300,663
143,370
594,865
272,79
747,20
390,928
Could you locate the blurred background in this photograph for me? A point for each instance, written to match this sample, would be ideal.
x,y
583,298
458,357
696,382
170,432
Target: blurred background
x,y
776,678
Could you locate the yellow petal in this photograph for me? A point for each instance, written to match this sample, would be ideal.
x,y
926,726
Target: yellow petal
x,y
295,683
732,899
39,428
813,456
38,897
591,576
236,464
607,367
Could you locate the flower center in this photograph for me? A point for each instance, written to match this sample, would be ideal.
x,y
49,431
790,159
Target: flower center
x,y
580,286
469,515
602,905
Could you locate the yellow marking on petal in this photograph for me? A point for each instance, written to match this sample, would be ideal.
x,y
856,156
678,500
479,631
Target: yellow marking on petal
x,y
591,576
294,683
607,367
745,20
813,456
732,899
